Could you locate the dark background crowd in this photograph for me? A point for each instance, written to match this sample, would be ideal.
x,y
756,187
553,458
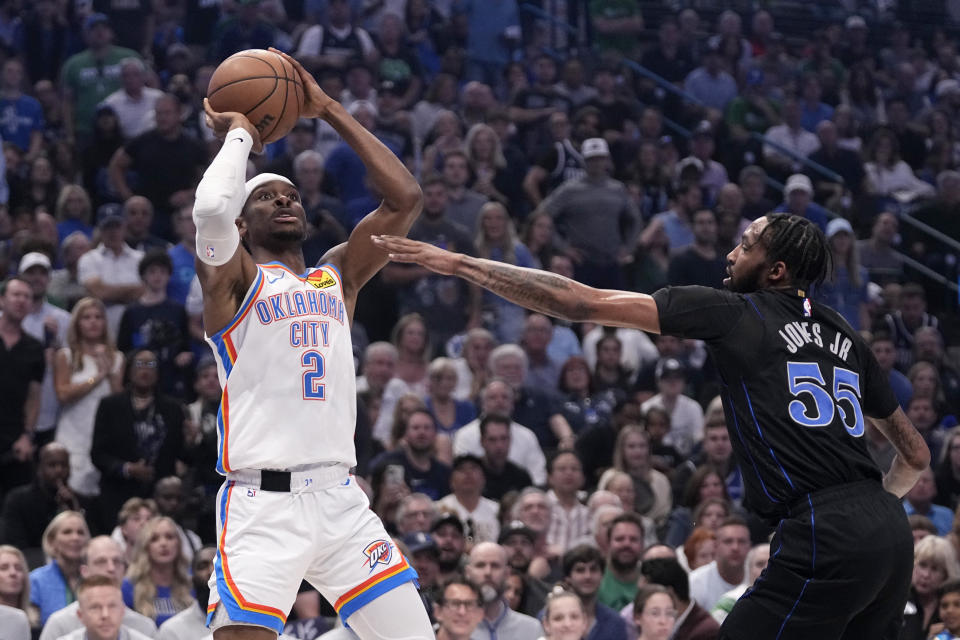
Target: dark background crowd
x,y
623,143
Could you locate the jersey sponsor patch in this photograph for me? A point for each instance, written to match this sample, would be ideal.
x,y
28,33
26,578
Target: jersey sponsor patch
x,y
379,552
321,280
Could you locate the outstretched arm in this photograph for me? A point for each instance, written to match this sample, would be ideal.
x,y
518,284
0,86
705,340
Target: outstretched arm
x,y
540,291
912,457
359,260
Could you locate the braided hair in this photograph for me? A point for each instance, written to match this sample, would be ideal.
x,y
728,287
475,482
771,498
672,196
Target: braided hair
x,y
800,245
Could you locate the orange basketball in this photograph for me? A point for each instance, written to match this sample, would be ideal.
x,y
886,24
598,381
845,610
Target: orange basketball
x,y
262,86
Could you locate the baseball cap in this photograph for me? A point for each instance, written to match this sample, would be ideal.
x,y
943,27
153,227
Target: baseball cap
x,y
837,225
389,87
855,22
798,181
703,128
516,527
109,214
34,259
466,458
94,19
419,541
670,367
594,148
448,518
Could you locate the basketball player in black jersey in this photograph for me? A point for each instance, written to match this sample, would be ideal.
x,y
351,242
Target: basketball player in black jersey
x,y
798,386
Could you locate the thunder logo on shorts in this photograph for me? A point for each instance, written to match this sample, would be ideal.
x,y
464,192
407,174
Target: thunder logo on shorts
x,y
379,552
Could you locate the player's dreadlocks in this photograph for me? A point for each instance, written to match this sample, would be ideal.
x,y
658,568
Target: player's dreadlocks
x,y
800,245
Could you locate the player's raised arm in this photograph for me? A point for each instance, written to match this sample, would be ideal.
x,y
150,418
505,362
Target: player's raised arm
x,y
912,457
534,289
224,267
360,260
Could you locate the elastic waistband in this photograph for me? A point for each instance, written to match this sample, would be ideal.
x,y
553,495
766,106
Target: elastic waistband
x,y
316,478
839,493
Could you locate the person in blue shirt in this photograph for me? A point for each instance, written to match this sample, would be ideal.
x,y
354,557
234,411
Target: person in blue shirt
x,y
798,200
846,289
53,586
21,116
157,584
183,255
919,500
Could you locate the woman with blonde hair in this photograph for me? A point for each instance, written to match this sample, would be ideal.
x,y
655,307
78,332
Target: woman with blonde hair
x,y
15,583
73,211
485,154
157,583
54,585
631,454
934,563
449,413
86,370
497,239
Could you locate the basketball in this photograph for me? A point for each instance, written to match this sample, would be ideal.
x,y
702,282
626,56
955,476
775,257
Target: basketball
x,y
262,86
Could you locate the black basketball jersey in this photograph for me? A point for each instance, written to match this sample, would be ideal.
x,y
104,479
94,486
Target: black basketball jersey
x,y
796,382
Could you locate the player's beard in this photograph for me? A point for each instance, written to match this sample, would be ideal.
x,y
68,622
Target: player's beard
x,y
746,282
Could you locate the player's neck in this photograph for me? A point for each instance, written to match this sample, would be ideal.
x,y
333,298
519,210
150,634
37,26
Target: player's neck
x,y
291,258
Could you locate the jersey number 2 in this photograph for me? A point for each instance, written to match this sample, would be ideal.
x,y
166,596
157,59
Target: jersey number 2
x,y
806,377
313,387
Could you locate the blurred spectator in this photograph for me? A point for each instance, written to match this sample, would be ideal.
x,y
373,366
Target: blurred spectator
x,y
159,324
459,608
704,485
910,140
138,214
110,271
686,416
23,365
539,238
542,371
40,189
134,102
134,513
472,365
496,239
192,622
561,160
501,474
903,323
44,41
182,255
878,253
101,612
336,42
54,585
90,76
888,175
73,212
798,201
812,110
137,436
702,148
922,411
710,582
676,222
519,542
28,508
943,212
573,83
700,547
919,500
885,351
22,123
752,180
102,557
399,62
86,370
631,455
422,552
463,204
710,83
445,136
16,614
583,572
569,518
479,514
104,140
447,531
668,58
167,162
415,459
928,347
531,106
301,138
157,584
379,364
757,559
845,290
947,472
847,164
488,568
493,31
654,612
791,140
700,263
245,28
584,407
415,513
492,178
619,584
693,621
934,563
450,414
169,498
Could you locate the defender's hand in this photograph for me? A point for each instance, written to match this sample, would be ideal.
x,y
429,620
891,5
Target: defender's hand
x,y
227,121
426,255
316,101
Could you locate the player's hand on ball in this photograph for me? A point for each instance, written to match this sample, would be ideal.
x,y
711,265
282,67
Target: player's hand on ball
x,y
316,101
223,123
426,255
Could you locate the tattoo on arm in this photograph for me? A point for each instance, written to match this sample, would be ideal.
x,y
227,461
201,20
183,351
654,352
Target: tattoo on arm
x,y
537,290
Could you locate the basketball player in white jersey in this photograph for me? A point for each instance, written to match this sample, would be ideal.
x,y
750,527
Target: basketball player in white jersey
x,y
289,509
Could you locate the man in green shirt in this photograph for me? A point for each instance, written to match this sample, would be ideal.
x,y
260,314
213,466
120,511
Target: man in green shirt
x,y
91,75
619,585
617,23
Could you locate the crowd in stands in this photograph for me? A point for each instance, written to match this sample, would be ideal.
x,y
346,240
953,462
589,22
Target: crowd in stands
x,y
545,479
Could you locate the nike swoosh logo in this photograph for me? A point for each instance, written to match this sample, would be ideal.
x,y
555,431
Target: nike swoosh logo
x,y
240,139
277,278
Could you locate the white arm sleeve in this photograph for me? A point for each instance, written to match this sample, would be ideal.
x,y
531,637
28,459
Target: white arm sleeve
x,y
219,200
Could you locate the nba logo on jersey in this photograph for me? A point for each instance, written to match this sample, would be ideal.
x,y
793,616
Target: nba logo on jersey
x,y
378,552
209,251
807,308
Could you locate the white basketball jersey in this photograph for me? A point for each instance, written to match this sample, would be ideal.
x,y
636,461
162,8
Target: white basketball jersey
x,y
286,367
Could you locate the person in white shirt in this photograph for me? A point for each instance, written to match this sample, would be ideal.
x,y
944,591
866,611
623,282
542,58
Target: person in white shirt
x,y
103,557
481,515
525,451
101,611
792,136
134,101
14,623
191,623
728,570
111,271
686,415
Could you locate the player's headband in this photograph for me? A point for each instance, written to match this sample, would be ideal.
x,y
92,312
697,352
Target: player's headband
x,y
263,178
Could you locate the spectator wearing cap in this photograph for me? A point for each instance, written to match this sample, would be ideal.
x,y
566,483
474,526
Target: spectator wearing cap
x,y
110,271
448,533
888,176
519,541
424,555
134,101
90,76
137,211
48,324
855,47
847,164
302,137
789,137
336,42
709,83
702,147
23,122
686,416
582,573
701,262
569,518
501,475
601,242
798,201
479,514
845,289
167,161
